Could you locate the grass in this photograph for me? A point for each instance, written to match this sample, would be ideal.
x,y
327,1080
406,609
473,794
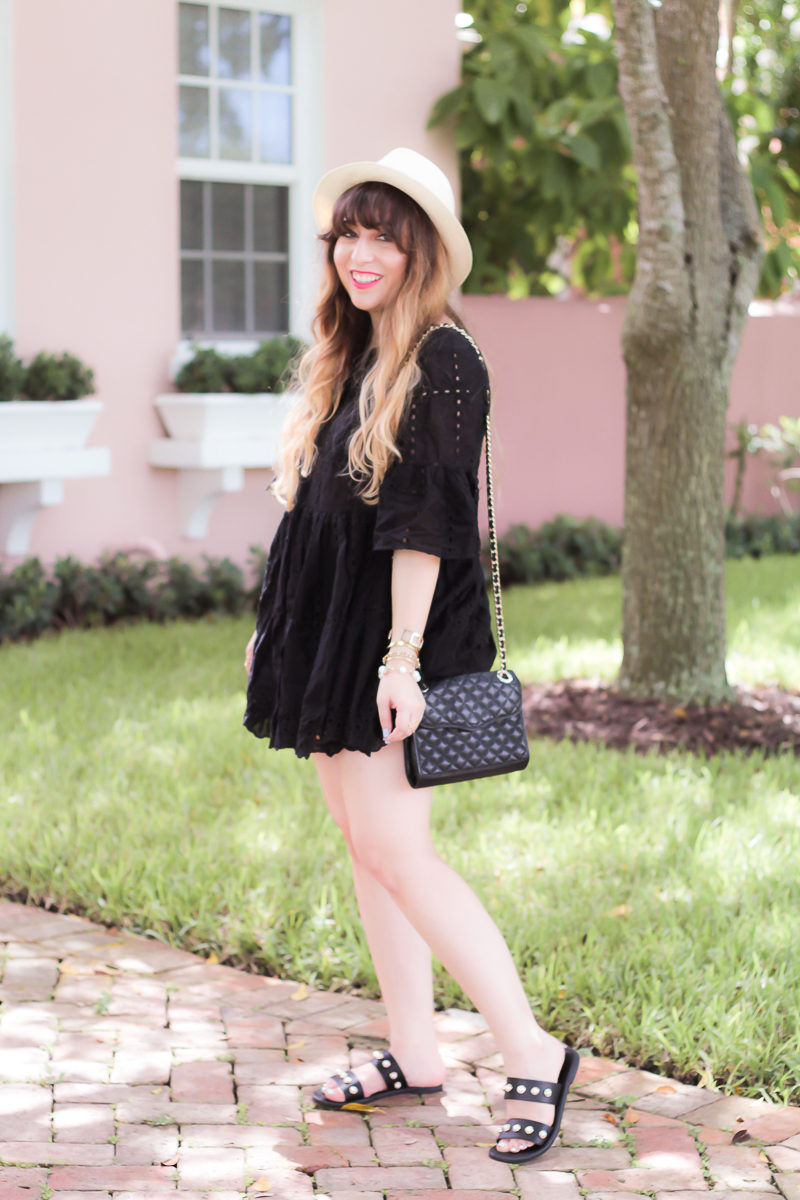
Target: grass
x,y
652,904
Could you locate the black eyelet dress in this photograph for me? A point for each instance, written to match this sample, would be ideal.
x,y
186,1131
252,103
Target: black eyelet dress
x,y
325,608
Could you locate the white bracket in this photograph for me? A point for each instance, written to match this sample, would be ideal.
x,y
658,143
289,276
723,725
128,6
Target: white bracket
x,y
21,505
198,491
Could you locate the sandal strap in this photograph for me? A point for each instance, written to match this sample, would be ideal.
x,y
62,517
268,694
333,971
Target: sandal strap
x,y
539,1091
518,1129
390,1070
350,1085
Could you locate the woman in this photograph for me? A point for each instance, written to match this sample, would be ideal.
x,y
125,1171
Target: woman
x,y
379,470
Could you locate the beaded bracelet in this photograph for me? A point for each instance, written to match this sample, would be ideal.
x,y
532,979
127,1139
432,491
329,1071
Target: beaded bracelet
x,y
398,670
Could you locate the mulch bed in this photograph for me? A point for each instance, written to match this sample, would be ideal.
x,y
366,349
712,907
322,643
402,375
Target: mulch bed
x,y
764,719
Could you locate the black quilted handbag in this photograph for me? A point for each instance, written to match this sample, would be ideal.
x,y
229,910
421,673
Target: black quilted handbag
x,y
473,724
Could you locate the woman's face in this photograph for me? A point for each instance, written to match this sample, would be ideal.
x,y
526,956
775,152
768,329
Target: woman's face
x,y
371,268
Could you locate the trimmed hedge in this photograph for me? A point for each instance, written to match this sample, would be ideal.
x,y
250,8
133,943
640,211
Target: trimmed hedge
x,y
118,588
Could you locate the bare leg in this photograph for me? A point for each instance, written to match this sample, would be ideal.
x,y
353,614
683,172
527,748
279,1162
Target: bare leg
x,y
389,831
402,961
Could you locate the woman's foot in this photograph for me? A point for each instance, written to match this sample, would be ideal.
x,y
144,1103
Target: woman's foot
x,y
420,1072
543,1062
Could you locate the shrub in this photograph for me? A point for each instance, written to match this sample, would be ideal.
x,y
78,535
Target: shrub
x,y
12,371
563,548
117,588
756,535
206,371
267,369
57,377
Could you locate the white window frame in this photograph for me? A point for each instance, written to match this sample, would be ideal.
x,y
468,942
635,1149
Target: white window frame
x,y
300,176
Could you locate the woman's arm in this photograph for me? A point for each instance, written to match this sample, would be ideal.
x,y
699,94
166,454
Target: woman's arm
x,y
414,578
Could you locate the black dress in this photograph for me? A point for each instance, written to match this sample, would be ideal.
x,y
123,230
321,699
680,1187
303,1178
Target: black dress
x,y
325,609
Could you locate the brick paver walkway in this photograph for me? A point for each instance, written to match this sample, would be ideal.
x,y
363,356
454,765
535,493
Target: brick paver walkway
x,y
132,1070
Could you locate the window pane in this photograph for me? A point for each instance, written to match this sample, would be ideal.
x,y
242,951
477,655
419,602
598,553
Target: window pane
x,y
235,123
271,287
227,216
271,219
275,60
192,297
194,139
191,215
233,61
193,48
228,292
274,127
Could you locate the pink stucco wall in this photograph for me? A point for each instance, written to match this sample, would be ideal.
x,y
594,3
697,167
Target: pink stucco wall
x,y
97,224
96,236
386,64
559,400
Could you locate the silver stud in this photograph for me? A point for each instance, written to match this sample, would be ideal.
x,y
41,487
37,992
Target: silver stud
x,y
529,1129
534,1091
542,1133
548,1091
508,1087
398,1084
521,1089
506,1126
353,1090
386,1063
516,1128
393,1075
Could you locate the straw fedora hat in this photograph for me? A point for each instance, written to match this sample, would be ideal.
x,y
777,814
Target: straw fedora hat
x,y
420,179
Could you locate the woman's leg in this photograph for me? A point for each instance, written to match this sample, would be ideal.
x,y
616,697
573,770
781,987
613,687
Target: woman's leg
x,y
402,961
389,832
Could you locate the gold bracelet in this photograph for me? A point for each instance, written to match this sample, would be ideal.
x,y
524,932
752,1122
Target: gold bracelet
x,y
409,637
397,652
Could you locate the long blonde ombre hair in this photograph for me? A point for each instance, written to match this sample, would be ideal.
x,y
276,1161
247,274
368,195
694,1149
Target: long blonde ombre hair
x,y
342,333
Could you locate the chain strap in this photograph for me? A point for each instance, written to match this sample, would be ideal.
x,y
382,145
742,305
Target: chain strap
x,y
493,551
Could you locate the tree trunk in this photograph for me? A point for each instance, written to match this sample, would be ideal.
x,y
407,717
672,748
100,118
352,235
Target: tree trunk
x,y
697,269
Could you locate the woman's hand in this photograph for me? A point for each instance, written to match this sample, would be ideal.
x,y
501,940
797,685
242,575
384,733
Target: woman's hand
x,y
399,693
248,654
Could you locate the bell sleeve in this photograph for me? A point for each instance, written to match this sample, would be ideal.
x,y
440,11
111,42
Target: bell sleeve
x,y
429,497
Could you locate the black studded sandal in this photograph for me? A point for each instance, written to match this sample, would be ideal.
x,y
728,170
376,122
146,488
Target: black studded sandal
x,y
537,1091
393,1077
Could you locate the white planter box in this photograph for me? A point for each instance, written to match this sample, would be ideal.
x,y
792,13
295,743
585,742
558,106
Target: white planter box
x,y
42,443
213,439
47,424
200,417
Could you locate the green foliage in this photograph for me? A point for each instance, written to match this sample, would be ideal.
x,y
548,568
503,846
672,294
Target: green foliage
x,y
267,369
57,377
545,153
563,548
548,187
119,588
757,535
12,371
206,371
762,89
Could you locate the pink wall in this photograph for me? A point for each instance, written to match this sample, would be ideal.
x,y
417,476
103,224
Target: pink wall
x,y
96,237
97,225
559,397
386,65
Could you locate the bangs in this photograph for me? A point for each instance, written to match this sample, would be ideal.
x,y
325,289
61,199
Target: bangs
x,y
383,207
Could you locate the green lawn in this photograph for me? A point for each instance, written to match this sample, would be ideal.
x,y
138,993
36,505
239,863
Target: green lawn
x,y
653,904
